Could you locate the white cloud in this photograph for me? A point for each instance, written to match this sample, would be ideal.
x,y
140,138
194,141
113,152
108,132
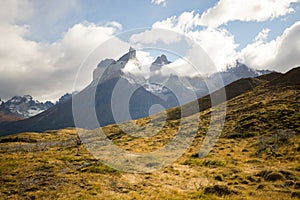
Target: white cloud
x,y
114,24
218,43
280,54
195,63
142,68
154,36
47,70
144,57
159,2
183,23
263,35
245,10
15,10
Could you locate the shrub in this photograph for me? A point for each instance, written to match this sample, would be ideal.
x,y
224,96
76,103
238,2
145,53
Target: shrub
x,y
219,178
219,190
271,175
99,168
241,135
296,194
274,176
18,139
206,163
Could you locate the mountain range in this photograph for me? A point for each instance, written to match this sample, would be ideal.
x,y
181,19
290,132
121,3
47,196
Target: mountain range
x,y
22,107
109,77
25,106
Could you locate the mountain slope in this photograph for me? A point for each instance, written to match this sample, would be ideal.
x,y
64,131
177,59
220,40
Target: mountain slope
x,y
274,79
232,90
288,79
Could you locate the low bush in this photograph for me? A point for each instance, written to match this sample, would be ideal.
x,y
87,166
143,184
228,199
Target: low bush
x,y
219,190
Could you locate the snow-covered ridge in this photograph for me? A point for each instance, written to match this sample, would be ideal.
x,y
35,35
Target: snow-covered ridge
x,y
26,106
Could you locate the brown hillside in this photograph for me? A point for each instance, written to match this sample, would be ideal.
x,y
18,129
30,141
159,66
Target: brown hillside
x,y
232,90
7,116
290,78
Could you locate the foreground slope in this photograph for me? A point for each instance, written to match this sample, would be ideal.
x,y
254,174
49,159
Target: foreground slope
x,y
256,157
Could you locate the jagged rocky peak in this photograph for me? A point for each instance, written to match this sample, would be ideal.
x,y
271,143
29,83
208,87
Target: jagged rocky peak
x,y
28,97
241,65
109,68
161,60
20,99
131,55
244,71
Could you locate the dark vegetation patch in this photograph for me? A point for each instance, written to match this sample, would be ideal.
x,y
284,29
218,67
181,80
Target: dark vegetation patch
x,y
204,163
237,135
280,175
17,139
219,190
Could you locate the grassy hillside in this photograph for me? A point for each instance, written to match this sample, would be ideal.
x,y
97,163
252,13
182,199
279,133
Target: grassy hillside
x,y
256,157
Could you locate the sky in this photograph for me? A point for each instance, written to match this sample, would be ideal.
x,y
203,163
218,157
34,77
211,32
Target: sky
x,y
44,43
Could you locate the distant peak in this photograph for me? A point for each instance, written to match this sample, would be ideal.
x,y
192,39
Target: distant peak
x,y
161,60
27,96
131,55
131,49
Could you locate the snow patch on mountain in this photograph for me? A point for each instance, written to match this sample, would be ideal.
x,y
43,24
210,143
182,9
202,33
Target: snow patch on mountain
x,y
26,106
